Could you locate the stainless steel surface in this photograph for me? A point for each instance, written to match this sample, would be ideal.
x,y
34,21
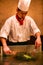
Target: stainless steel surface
x,y
10,60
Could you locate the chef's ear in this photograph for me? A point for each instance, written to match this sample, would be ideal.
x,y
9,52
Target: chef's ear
x,y
16,10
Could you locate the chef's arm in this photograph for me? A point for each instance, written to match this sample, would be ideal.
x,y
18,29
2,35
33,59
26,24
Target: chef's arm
x,y
3,41
38,40
37,35
6,49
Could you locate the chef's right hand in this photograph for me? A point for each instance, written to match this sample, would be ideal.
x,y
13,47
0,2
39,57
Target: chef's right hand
x,y
6,50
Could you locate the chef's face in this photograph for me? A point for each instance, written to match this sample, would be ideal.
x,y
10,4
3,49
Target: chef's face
x,y
21,14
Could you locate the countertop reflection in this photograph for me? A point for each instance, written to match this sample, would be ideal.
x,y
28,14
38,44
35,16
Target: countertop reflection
x,y
10,60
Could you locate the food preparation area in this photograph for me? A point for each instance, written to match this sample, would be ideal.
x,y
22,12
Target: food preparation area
x,y
11,60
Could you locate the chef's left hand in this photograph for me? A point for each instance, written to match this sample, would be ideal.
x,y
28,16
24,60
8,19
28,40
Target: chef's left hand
x,y
38,42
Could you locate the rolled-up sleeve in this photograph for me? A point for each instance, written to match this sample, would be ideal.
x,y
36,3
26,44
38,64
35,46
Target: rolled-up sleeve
x,y
4,32
34,27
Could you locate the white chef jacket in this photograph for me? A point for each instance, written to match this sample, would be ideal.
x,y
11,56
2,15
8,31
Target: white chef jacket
x,y
17,32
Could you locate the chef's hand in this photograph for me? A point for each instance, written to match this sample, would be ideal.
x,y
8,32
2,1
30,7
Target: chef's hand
x,y
38,42
37,45
6,50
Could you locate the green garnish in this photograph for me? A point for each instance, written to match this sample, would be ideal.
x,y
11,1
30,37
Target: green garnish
x,y
27,56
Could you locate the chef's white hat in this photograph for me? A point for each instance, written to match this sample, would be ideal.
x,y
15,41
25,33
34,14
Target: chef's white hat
x,y
24,5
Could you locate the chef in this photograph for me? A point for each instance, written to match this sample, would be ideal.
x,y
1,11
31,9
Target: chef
x,y
17,28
